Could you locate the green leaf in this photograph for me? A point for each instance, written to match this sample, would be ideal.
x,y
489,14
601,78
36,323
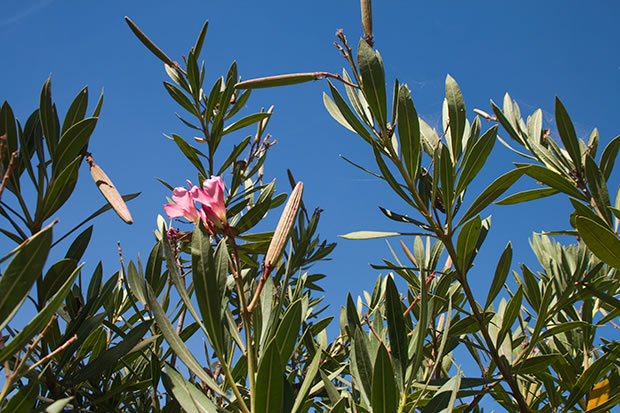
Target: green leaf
x,y
110,357
476,159
206,282
466,242
510,315
47,114
423,321
181,98
457,115
554,180
234,154
370,235
603,242
492,192
58,405
72,142
361,367
23,400
348,115
77,110
269,381
191,399
503,120
373,81
176,343
94,215
246,121
396,331
529,195
501,272
22,272
7,126
384,392
309,376
136,283
39,321
288,331
258,211
409,132
403,218
446,173
59,191
335,112
608,158
148,43
444,398
598,189
201,39
568,135
79,244
55,277
387,175
190,153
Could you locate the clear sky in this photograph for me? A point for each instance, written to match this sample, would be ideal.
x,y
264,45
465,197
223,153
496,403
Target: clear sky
x,y
534,50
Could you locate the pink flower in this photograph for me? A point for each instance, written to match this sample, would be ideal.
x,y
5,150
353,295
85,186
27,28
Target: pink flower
x,y
183,204
211,196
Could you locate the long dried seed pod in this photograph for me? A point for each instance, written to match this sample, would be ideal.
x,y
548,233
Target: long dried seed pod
x,y
367,21
287,219
109,191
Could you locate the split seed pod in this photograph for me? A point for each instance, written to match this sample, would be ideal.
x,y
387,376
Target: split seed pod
x,y
287,219
109,191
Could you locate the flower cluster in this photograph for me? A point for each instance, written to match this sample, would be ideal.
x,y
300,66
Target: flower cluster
x,y
210,196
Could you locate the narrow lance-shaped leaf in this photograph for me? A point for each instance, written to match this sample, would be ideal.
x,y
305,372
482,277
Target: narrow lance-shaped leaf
x,y
409,132
48,117
501,272
22,272
348,114
466,242
396,331
361,367
598,189
72,142
568,135
510,315
187,394
149,43
608,158
288,330
77,110
310,374
529,195
603,242
269,381
207,286
110,357
373,76
492,192
384,392
476,159
457,115
176,343
39,321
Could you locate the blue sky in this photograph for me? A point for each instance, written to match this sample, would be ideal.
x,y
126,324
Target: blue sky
x,y
533,50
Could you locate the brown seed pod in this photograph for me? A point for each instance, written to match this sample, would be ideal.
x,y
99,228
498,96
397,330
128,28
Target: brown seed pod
x,y
109,191
287,219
